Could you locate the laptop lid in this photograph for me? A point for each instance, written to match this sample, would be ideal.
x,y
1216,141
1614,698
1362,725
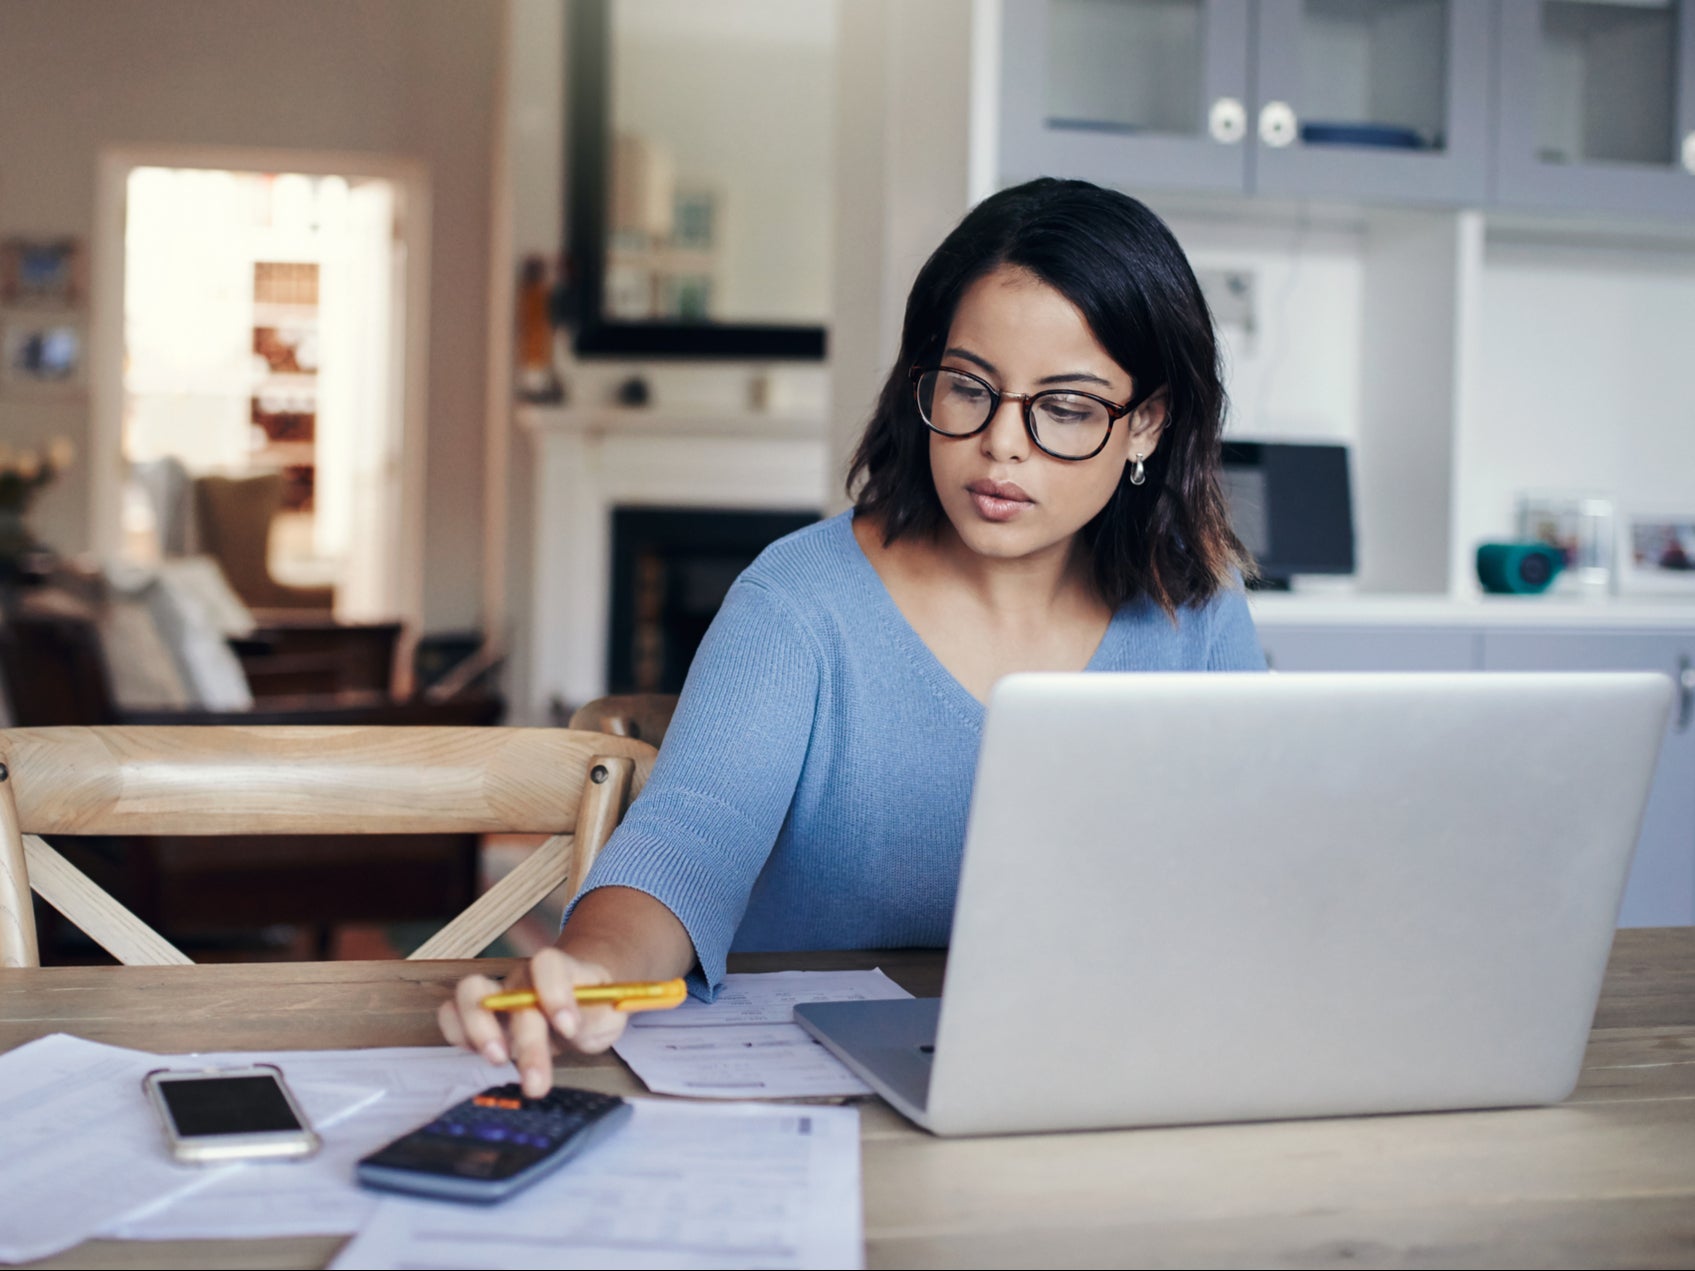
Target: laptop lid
x,y
1230,897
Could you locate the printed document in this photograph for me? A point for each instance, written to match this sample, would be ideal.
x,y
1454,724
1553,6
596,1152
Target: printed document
x,y
746,1044
83,1148
680,1185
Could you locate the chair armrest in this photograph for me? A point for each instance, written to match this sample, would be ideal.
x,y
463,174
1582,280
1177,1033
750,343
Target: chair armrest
x,y
468,677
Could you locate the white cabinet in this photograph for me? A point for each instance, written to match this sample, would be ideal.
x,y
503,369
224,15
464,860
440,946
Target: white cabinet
x,y
1541,105
1596,107
1358,99
1661,891
1324,648
1141,96
1661,888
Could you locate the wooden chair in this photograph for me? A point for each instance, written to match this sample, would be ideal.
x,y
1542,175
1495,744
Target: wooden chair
x,y
644,716
139,780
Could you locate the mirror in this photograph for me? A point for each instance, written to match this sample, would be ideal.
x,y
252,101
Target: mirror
x,y
701,174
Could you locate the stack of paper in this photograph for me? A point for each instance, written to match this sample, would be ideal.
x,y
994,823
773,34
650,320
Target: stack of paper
x,y
317,1197
746,1044
84,1150
682,1185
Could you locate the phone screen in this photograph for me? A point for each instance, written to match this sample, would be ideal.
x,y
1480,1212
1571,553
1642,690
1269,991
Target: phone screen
x,y
228,1105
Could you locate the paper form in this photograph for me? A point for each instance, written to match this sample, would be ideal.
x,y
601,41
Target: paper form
x,y
746,1044
681,1185
319,1196
81,1147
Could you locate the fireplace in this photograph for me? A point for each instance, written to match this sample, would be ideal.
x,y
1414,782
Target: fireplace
x,y
595,465
671,568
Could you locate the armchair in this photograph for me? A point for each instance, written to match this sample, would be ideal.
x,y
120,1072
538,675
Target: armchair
x,y
233,518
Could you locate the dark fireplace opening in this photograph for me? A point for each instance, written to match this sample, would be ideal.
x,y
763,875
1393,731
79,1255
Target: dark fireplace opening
x,y
671,568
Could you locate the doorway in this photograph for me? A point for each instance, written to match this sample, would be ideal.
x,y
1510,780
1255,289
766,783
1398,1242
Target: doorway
x,y
270,326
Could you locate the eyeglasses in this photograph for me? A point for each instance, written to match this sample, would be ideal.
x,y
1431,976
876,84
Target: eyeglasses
x,y
1061,421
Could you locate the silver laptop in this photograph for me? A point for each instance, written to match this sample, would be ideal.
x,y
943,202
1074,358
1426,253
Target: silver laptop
x,y
1191,898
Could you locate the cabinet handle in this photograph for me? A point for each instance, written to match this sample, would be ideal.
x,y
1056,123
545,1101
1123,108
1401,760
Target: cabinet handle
x,y
1227,121
1685,694
1277,124
1689,152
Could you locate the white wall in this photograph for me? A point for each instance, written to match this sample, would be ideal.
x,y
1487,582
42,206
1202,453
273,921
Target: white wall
x,y
904,131
759,140
1468,364
411,78
1584,379
1293,373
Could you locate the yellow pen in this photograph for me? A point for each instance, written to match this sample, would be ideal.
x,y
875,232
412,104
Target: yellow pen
x,y
645,995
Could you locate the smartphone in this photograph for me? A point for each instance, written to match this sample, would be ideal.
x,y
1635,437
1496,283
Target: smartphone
x,y
216,1115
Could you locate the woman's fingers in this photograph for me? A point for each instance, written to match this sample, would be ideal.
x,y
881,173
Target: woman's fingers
x,y
554,975
447,1016
465,1022
532,1051
601,1026
527,1037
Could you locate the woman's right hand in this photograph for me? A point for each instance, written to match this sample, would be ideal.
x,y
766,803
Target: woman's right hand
x,y
533,1036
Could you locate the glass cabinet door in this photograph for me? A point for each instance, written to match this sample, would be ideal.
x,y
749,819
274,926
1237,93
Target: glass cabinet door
x,y
1139,94
1597,106
1372,99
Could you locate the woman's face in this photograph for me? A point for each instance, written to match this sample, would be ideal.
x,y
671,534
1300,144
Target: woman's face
x,y
1005,497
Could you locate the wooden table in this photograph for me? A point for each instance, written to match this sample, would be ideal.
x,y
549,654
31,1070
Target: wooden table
x,y
1605,1179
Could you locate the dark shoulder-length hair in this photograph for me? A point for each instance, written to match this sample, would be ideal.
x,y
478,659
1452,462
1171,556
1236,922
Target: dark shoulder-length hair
x,y
1168,539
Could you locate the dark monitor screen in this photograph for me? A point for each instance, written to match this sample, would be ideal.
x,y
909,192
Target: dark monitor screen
x,y
1292,507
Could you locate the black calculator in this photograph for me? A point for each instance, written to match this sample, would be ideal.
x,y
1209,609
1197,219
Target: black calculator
x,y
494,1144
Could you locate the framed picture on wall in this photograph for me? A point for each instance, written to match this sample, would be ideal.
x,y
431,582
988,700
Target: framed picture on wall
x,y
41,355
40,273
1657,552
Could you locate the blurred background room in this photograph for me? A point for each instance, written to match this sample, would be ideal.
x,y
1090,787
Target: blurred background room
x,y
431,361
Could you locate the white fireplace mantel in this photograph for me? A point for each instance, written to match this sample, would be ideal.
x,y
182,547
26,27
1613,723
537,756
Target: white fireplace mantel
x,y
589,461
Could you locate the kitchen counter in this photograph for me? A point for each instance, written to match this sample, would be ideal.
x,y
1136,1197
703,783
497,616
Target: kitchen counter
x,y
1336,608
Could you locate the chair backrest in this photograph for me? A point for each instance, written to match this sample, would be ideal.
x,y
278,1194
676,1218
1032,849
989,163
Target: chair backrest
x,y
644,716
127,780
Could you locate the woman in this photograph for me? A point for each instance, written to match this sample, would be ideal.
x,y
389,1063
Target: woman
x,y
1037,490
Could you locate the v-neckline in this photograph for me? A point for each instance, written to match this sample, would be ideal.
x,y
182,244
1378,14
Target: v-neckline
x,y
943,681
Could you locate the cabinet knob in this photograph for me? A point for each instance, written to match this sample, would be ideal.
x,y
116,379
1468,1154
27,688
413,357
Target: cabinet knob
x,y
1277,124
1689,152
1227,121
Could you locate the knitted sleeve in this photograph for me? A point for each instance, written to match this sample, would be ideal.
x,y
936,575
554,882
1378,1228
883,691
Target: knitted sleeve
x,y
700,831
1232,642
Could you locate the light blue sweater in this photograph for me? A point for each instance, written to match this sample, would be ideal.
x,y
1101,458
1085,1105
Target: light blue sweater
x,y
813,785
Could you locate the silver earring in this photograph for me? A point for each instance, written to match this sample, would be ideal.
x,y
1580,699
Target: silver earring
x,y
1139,473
